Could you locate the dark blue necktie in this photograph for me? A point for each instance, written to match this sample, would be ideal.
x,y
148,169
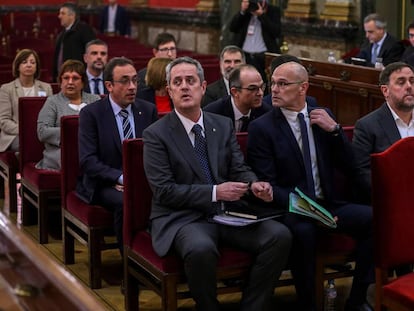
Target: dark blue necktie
x,y
126,125
244,123
200,148
306,155
96,85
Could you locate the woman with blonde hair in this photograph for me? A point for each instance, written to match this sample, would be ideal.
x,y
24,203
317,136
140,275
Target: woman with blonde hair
x,y
26,71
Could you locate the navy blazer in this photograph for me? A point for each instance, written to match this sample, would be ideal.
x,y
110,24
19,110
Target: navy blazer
x,y
214,91
100,147
87,89
391,51
181,194
373,133
122,23
224,107
274,155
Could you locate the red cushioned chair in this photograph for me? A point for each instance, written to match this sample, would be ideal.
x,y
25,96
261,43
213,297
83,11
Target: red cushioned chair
x,y
141,263
39,187
392,200
87,223
9,167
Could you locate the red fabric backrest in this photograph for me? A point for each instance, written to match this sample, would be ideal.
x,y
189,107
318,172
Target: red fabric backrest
x,y
242,140
392,202
137,193
30,148
69,146
349,132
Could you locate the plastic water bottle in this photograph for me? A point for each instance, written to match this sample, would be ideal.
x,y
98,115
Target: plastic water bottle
x,y
378,63
331,57
330,296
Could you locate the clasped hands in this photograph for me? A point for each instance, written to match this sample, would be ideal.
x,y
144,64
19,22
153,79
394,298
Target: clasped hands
x,y
233,191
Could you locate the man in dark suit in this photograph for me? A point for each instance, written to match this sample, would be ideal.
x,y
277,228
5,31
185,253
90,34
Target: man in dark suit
x,y
95,58
408,55
381,128
101,132
230,57
379,43
257,29
245,103
71,42
277,152
115,20
188,187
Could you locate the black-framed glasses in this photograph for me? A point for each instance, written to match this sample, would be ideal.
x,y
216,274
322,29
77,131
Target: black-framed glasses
x,y
166,50
253,88
284,84
127,81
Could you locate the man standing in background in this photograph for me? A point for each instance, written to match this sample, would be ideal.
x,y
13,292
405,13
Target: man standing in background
x,y
115,20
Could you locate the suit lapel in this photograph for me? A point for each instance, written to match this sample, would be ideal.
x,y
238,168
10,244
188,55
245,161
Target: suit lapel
x,y
213,135
386,121
110,120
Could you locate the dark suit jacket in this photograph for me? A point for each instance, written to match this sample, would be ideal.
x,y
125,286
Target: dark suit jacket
x,y
87,89
74,41
224,107
181,193
391,51
141,78
100,147
373,133
122,24
214,91
310,100
274,155
271,28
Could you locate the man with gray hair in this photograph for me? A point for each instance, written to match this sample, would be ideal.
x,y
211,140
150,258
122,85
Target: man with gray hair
x,y
230,57
379,43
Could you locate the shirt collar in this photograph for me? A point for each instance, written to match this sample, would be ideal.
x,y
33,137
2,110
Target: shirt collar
x,y
237,113
116,108
188,124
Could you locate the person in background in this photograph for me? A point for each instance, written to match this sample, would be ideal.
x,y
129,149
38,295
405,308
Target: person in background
x,y
95,58
115,20
165,46
103,126
155,91
408,55
71,42
258,30
245,102
69,101
230,56
26,71
379,43
296,145
188,185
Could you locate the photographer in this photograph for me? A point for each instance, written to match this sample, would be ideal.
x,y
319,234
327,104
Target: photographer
x,y
257,29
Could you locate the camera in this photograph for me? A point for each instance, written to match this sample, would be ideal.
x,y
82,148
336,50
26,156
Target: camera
x,y
253,6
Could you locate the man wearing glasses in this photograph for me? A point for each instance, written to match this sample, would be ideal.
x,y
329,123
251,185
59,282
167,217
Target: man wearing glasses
x,y
102,128
245,102
164,46
296,145
408,55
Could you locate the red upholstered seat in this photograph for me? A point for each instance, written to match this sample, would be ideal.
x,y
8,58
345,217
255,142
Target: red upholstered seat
x,y
9,167
87,223
392,188
39,187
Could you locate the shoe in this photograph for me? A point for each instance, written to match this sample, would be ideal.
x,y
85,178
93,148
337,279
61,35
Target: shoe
x,y
362,307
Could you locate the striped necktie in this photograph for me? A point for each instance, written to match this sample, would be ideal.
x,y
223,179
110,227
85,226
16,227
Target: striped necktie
x,y
126,125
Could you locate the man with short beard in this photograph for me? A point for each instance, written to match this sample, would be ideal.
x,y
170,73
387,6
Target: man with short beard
x,y
95,58
381,128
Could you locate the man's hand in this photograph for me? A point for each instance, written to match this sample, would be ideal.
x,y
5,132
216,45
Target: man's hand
x,y
321,118
231,191
262,190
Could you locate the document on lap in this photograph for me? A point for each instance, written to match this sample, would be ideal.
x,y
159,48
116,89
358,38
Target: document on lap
x,y
300,203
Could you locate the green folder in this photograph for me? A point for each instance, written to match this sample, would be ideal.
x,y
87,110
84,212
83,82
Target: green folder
x,y
300,203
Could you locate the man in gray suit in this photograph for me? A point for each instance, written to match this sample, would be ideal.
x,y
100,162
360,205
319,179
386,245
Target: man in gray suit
x,y
381,128
187,191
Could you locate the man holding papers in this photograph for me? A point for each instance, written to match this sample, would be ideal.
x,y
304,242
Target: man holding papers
x,y
298,146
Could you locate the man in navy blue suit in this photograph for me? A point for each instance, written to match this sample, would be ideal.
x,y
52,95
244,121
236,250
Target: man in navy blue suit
x,y
275,146
101,134
245,102
95,58
115,20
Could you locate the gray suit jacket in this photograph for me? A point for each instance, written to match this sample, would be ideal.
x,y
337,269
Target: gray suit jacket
x,y
9,116
181,194
373,133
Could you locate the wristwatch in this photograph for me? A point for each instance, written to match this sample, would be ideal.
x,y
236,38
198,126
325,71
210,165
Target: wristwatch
x,y
336,129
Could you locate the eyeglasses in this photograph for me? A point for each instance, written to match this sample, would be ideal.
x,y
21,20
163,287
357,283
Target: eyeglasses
x,y
284,84
411,35
127,81
166,50
253,88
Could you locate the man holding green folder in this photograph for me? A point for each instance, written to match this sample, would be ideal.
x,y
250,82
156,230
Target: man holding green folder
x,y
299,146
